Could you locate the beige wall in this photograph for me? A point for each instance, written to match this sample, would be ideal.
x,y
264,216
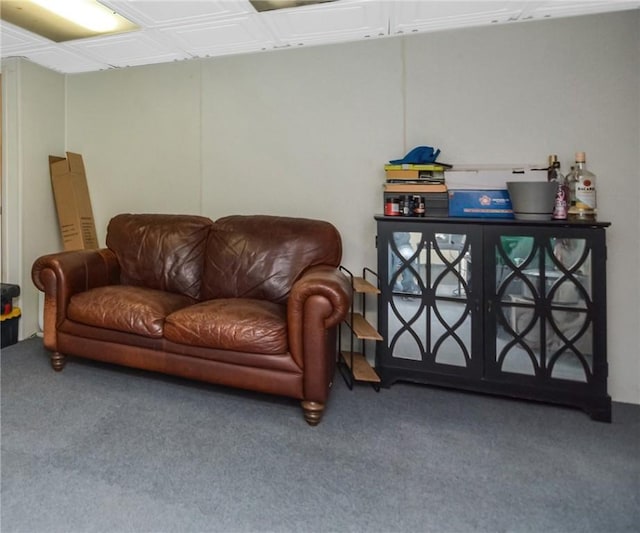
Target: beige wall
x,y
516,93
33,128
139,133
306,131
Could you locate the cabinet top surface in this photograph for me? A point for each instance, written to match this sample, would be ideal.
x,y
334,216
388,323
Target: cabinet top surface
x,y
497,221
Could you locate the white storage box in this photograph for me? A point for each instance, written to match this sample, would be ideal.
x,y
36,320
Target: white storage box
x,y
482,177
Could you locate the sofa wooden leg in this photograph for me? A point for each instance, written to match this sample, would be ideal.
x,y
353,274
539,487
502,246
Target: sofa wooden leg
x,y
58,361
313,412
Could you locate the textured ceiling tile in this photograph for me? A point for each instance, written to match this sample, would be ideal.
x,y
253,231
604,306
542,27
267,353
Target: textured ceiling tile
x,y
153,13
330,22
567,9
65,61
129,49
179,29
416,16
241,33
14,39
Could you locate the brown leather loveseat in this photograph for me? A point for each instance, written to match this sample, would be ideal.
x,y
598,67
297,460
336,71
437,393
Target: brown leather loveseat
x,y
251,302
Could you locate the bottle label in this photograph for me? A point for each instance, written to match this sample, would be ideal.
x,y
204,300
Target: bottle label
x,y
561,208
585,194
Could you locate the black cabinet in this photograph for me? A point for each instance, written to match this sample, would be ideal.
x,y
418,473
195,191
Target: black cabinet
x,y
498,306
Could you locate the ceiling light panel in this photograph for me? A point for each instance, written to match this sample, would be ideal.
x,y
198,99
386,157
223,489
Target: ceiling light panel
x,y
269,5
333,22
67,20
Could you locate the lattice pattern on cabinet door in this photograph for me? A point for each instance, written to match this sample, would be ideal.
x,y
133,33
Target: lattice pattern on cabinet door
x,y
554,276
429,298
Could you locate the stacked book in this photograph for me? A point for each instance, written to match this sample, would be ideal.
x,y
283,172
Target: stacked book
x,y
416,190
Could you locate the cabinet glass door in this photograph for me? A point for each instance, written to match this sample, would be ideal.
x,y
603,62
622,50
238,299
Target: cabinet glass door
x,y
428,292
543,308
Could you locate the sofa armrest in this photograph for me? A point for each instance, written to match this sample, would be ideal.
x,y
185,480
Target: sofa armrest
x,y
61,275
320,299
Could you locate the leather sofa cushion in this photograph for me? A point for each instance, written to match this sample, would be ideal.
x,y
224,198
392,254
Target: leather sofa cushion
x,y
262,256
237,324
126,308
164,252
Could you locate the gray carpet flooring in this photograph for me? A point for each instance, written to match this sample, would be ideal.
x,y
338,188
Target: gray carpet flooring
x,y
99,448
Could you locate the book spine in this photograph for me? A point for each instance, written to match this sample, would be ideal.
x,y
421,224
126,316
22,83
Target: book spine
x,y
426,175
415,187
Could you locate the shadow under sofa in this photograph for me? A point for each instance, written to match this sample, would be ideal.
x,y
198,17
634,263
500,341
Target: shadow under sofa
x,y
248,301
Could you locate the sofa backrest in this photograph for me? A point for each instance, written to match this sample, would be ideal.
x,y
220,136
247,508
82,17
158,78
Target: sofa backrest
x,y
164,252
261,256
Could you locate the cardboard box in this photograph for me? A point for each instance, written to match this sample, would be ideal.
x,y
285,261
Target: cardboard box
x,y
73,204
490,203
491,177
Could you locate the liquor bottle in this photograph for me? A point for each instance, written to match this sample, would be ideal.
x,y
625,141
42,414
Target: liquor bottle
x,y
582,183
552,170
561,206
572,189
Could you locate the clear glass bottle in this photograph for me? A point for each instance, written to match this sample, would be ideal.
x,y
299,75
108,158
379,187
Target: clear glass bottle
x,y
551,169
582,184
561,207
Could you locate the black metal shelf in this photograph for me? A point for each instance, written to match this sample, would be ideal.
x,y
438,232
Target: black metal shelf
x,y
352,361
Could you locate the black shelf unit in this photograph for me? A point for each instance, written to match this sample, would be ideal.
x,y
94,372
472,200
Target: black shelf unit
x,y
508,307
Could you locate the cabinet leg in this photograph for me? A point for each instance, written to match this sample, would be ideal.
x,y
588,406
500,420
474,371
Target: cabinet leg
x,y
313,412
600,413
58,361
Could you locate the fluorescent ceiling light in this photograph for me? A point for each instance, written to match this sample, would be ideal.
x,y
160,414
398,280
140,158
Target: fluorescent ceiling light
x,y
64,20
84,13
269,5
